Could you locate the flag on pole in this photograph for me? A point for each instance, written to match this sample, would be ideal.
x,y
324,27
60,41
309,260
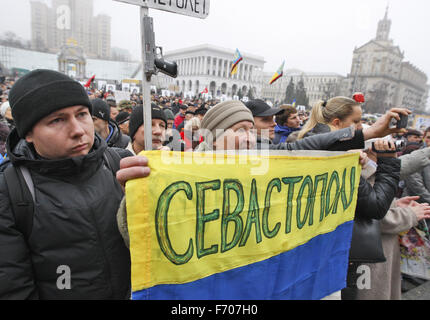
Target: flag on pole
x,y
205,91
278,73
237,59
88,84
294,102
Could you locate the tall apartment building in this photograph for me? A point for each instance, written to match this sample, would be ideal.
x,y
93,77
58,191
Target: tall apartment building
x,y
70,21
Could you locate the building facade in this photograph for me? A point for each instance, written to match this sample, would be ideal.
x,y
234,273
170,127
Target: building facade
x,y
208,66
379,70
70,20
318,85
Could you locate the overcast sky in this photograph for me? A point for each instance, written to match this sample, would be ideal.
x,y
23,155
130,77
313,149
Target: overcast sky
x,y
311,35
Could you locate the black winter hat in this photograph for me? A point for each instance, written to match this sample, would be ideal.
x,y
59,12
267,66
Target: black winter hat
x,y
41,92
101,109
136,118
259,108
122,117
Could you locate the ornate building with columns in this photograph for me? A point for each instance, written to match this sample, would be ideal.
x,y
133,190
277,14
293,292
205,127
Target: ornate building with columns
x,y
379,70
318,85
208,66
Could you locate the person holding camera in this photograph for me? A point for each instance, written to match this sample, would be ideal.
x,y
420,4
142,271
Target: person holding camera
x,y
373,200
418,183
405,213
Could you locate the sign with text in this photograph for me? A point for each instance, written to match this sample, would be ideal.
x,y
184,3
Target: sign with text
x,y
204,226
192,8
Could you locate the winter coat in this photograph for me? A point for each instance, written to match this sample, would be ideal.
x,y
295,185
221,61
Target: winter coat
x,y
178,120
373,202
318,129
4,132
418,183
386,276
341,140
282,133
116,138
74,225
414,162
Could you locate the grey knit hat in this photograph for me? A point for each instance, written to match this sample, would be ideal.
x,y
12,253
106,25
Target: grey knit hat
x,y
225,115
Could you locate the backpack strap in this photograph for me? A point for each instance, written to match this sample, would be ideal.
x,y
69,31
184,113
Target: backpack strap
x,y
112,159
21,195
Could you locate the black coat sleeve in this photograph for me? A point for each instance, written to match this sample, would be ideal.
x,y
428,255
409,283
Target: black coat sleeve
x,y
373,202
340,140
16,274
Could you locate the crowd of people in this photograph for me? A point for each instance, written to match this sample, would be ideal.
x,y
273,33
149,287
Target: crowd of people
x,y
71,143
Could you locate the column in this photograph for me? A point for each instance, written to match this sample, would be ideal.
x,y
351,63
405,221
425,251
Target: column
x,y
217,67
224,67
194,66
205,65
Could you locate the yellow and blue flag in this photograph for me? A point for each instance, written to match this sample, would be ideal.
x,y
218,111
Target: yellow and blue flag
x,y
233,227
237,59
278,73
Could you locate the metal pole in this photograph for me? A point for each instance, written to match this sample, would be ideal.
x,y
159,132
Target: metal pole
x,y
146,87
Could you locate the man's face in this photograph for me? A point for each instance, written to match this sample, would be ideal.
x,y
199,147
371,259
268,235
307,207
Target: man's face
x,y
63,134
264,126
113,112
182,111
293,121
188,116
158,135
414,138
99,125
427,139
238,137
124,127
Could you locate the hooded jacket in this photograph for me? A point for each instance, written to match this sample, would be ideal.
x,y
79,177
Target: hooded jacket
x,y
74,227
116,138
282,133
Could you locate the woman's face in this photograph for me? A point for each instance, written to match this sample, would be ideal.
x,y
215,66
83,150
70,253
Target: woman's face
x,y
353,119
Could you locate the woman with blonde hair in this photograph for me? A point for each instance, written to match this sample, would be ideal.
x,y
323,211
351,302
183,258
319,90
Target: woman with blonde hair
x,y
334,114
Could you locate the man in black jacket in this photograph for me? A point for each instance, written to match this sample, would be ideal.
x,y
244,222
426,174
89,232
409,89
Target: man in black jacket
x,y
107,128
73,249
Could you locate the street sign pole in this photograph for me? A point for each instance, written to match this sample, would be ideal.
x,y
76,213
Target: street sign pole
x,y
146,85
193,8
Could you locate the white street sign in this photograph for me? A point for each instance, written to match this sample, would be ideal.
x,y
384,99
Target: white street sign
x,y
193,8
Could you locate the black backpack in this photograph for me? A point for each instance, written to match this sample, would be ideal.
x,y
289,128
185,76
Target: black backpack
x,y
21,191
